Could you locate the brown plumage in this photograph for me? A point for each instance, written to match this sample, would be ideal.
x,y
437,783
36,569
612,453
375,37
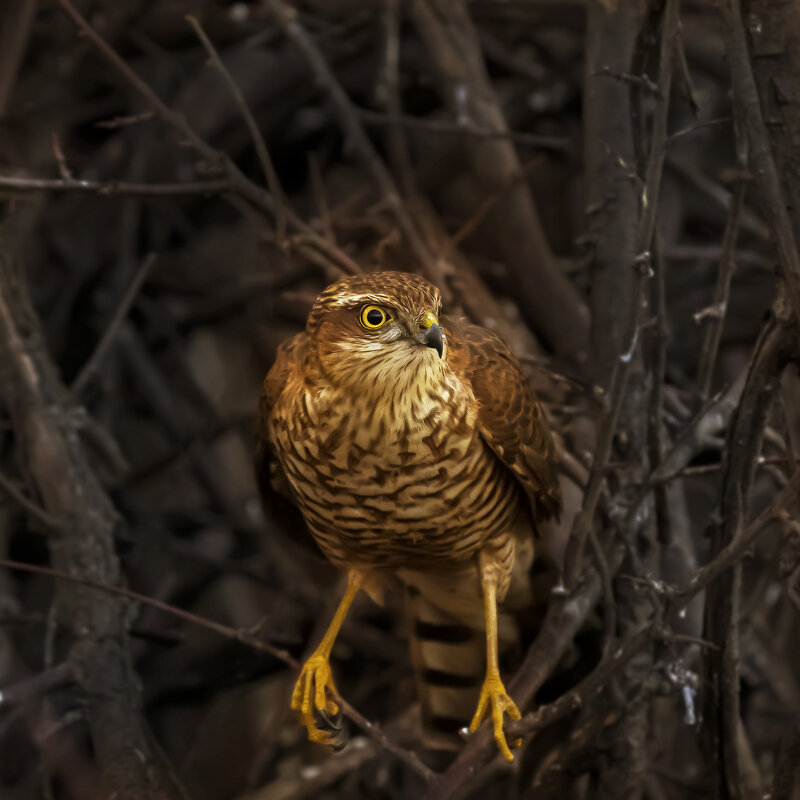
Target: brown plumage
x,y
416,452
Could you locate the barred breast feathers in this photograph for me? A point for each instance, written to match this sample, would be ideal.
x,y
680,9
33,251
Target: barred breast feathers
x,y
398,469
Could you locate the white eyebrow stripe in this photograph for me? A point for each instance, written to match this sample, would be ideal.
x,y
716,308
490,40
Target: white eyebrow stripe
x,y
357,299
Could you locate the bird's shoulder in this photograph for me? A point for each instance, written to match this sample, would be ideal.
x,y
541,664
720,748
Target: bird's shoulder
x,y
510,417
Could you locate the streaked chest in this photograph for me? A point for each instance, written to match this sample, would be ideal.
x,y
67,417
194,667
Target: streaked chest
x,y
392,478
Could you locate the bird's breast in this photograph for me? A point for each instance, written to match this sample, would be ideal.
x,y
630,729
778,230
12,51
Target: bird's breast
x,y
390,482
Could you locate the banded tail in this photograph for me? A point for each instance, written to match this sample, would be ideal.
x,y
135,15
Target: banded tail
x,y
449,659
447,637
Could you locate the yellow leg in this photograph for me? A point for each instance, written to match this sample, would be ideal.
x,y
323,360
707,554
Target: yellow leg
x,y
316,675
493,691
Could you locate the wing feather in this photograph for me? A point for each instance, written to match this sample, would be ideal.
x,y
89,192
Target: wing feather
x,y
510,417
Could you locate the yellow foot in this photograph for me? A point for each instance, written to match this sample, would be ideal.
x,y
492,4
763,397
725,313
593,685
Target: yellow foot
x,y
495,693
314,678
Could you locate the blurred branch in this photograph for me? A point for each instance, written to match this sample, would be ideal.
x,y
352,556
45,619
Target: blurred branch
x,y
99,653
259,197
548,301
16,18
136,597
760,158
111,188
37,685
396,143
558,144
258,140
107,338
786,785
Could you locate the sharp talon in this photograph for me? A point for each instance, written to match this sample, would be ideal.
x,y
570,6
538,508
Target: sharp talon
x,y
332,722
493,693
309,698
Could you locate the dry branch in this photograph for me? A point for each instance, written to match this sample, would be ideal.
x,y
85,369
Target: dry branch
x,y
16,20
110,188
760,154
775,348
131,767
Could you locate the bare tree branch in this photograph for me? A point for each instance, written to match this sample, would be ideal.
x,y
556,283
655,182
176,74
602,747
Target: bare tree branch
x,y
98,652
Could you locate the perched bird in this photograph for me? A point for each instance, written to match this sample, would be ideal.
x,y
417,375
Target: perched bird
x,y
417,453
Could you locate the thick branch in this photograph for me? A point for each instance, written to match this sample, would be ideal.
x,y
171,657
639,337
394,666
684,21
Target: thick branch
x,y
760,155
547,299
771,355
132,768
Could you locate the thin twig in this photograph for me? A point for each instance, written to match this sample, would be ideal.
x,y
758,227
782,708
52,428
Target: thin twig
x,y
396,144
721,719
469,226
737,548
63,170
656,435
123,122
684,73
267,166
727,264
557,144
89,368
697,126
27,505
111,188
120,591
642,81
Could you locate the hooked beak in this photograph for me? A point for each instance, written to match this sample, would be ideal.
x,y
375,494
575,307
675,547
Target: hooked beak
x,y
432,337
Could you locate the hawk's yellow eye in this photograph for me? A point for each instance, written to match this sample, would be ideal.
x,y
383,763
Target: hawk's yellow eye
x,y
373,317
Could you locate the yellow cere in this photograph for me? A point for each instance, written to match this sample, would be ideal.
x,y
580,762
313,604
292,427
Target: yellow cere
x,y
429,319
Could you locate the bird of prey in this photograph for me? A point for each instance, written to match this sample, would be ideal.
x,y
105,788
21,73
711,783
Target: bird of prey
x,y
417,453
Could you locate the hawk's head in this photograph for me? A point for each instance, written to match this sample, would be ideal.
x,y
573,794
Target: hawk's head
x,y
380,327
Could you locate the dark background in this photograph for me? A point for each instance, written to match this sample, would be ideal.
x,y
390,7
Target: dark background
x,y
591,180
